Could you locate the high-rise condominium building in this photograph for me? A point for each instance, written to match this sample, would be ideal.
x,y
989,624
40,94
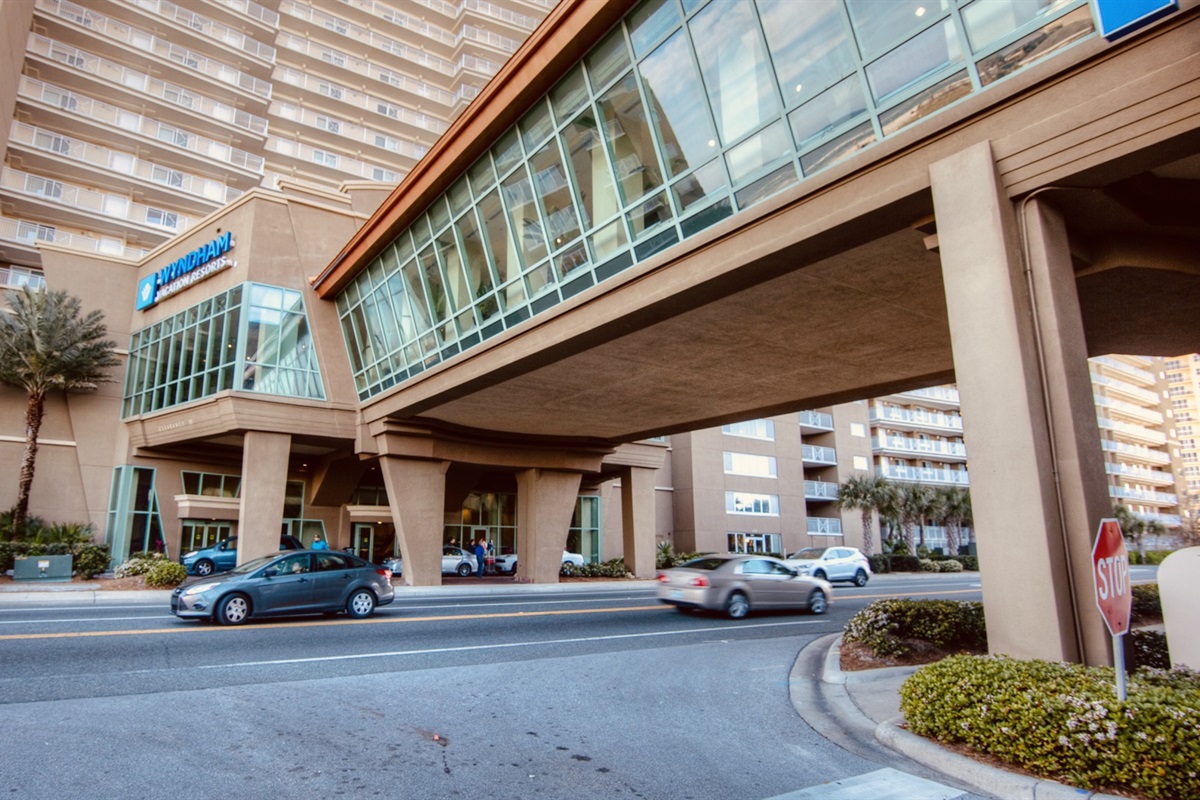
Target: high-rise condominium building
x,y
1183,403
133,120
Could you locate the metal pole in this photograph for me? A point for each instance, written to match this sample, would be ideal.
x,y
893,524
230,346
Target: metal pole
x,y
1119,666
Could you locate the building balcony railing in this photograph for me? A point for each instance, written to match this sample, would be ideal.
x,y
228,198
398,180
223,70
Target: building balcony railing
x,y
921,447
422,27
119,118
1140,474
1141,376
820,490
86,201
503,14
1135,452
340,163
812,454
169,93
1167,521
30,233
931,475
254,11
940,394
916,418
142,41
353,97
353,131
222,33
824,526
816,420
1129,431
122,164
18,277
1142,414
1135,393
1144,496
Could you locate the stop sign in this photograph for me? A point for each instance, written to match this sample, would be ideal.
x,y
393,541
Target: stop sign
x,y
1110,573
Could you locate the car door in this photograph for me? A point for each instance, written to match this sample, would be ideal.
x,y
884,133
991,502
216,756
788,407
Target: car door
x,y
764,583
332,579
290,589
225,556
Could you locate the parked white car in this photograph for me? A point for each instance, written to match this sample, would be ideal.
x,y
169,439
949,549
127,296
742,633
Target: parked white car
x,y
832,564
508,563
455,561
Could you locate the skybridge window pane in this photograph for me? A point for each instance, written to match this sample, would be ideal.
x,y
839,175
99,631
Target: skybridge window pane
x,y
607,60
827,112
500,242
650,22
810,45
735,67
989,21
909,64
679,110
523,216
629,140
878,24
590,170
551,182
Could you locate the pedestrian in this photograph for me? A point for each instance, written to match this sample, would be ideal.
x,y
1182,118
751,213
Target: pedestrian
x,y
319,543
480,555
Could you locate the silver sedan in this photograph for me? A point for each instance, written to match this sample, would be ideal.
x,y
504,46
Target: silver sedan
x,y
736,584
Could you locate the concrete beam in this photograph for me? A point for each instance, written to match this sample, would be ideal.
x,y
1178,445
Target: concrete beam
x,y
545,504
264,488
416,491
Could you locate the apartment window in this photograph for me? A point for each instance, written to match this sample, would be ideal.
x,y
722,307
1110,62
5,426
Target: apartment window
x,y
327,159
749,464
173,136
329,124
748,503
52,142
858,429
71,57
752,429
334,57
385,175
329,90
387,142
167,219
337,26
1176,391
388,110
167,177
43,186
389,77
183,57
29,231
211,484
860,463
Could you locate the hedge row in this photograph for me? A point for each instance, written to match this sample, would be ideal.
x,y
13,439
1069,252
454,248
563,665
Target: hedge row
x,y
888,627
88,561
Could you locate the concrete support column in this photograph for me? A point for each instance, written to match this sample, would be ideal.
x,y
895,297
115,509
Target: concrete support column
x,y
417,494
545,504
1034,607
638,520
264,488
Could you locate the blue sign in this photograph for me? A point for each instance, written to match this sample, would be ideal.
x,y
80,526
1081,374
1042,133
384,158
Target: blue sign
x,y
183,272
1119,17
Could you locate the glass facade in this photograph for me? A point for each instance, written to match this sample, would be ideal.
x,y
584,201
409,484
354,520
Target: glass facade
x,y
685,113
133,524
252,338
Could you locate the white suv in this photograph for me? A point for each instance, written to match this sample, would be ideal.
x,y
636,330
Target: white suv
x,y
832,564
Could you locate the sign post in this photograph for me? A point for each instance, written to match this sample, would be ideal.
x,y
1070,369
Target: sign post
x,y
1114,596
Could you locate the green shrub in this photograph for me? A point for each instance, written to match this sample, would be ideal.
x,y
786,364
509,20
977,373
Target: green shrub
x,y
1146,606
90,560
905,563
970,563
9,551
1063,721
1152,556
928,565
139,564
166,574
614,568
949,565
880,563
71,534
889,627
32,525
666,557
1146,648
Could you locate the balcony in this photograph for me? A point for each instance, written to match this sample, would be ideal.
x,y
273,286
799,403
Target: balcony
x,y
1128,432
906,418
815,421
814,455
930,475
943,397
1129,411
824,526
1139,376
921,448
1140,474
1135,452
28,234
362,100
820,490
19,277
226,36
1143,496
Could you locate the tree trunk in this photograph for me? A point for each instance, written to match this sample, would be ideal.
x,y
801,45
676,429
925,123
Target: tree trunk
x,y
34,409
952,538
868,540
910,544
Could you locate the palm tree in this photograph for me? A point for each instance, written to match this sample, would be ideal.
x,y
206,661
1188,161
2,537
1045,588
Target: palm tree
x,y
1133,527
46,346
864,493
953,512
913,505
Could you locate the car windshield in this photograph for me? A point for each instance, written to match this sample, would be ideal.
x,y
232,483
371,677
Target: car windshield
x,y
808,552
250,566
706,562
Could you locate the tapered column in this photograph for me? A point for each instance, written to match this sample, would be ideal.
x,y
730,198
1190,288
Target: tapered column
x,y
1032,603
638,520
264,488
545,504
416,491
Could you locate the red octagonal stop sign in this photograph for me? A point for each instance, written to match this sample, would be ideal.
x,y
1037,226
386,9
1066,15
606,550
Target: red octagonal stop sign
x,y
1110,574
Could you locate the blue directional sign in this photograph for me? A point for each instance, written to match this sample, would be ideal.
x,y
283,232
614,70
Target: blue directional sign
x,y
1119,17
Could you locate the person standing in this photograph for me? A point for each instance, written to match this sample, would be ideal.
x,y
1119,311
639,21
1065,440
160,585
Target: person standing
x,y
480,555
319,543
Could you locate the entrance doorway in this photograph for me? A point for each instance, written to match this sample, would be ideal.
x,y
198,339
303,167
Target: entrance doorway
x,y
373,541
199,534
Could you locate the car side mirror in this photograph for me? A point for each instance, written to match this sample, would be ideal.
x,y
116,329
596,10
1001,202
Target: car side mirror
x,y
270,572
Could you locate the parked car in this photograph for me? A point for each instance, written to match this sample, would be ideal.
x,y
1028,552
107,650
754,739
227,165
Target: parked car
x,y
455,561
508,563
832,564
222,556
300,582
737,584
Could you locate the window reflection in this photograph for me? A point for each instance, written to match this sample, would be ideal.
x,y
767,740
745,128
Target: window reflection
x,y
677,105
809,43
989,21
827,112
628,137
735,68
879,24
523,216
1024,51
915,60
561,223
650,22
589,169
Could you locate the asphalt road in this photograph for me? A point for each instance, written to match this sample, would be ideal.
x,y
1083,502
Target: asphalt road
x,y
512,694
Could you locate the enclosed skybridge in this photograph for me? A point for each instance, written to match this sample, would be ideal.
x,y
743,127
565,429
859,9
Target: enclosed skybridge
x,y
696,222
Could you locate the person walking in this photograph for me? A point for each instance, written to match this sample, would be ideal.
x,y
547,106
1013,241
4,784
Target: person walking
x,y
480,555
319,543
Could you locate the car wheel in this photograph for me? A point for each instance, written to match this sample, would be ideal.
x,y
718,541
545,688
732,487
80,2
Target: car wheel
x,y
737,606
819,575
361,604
464,569
233,610
860,578
203,567
817,604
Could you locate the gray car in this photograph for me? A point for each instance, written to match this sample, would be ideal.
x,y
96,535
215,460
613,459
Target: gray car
x,y
737,584
301,582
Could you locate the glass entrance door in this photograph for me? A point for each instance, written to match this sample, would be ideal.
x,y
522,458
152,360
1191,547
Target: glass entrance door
x,y
364,540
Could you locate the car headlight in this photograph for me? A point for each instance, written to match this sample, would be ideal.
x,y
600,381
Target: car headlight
x,y
191,554
200,588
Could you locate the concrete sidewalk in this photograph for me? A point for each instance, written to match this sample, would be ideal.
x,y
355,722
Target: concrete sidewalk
x,y
869,700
